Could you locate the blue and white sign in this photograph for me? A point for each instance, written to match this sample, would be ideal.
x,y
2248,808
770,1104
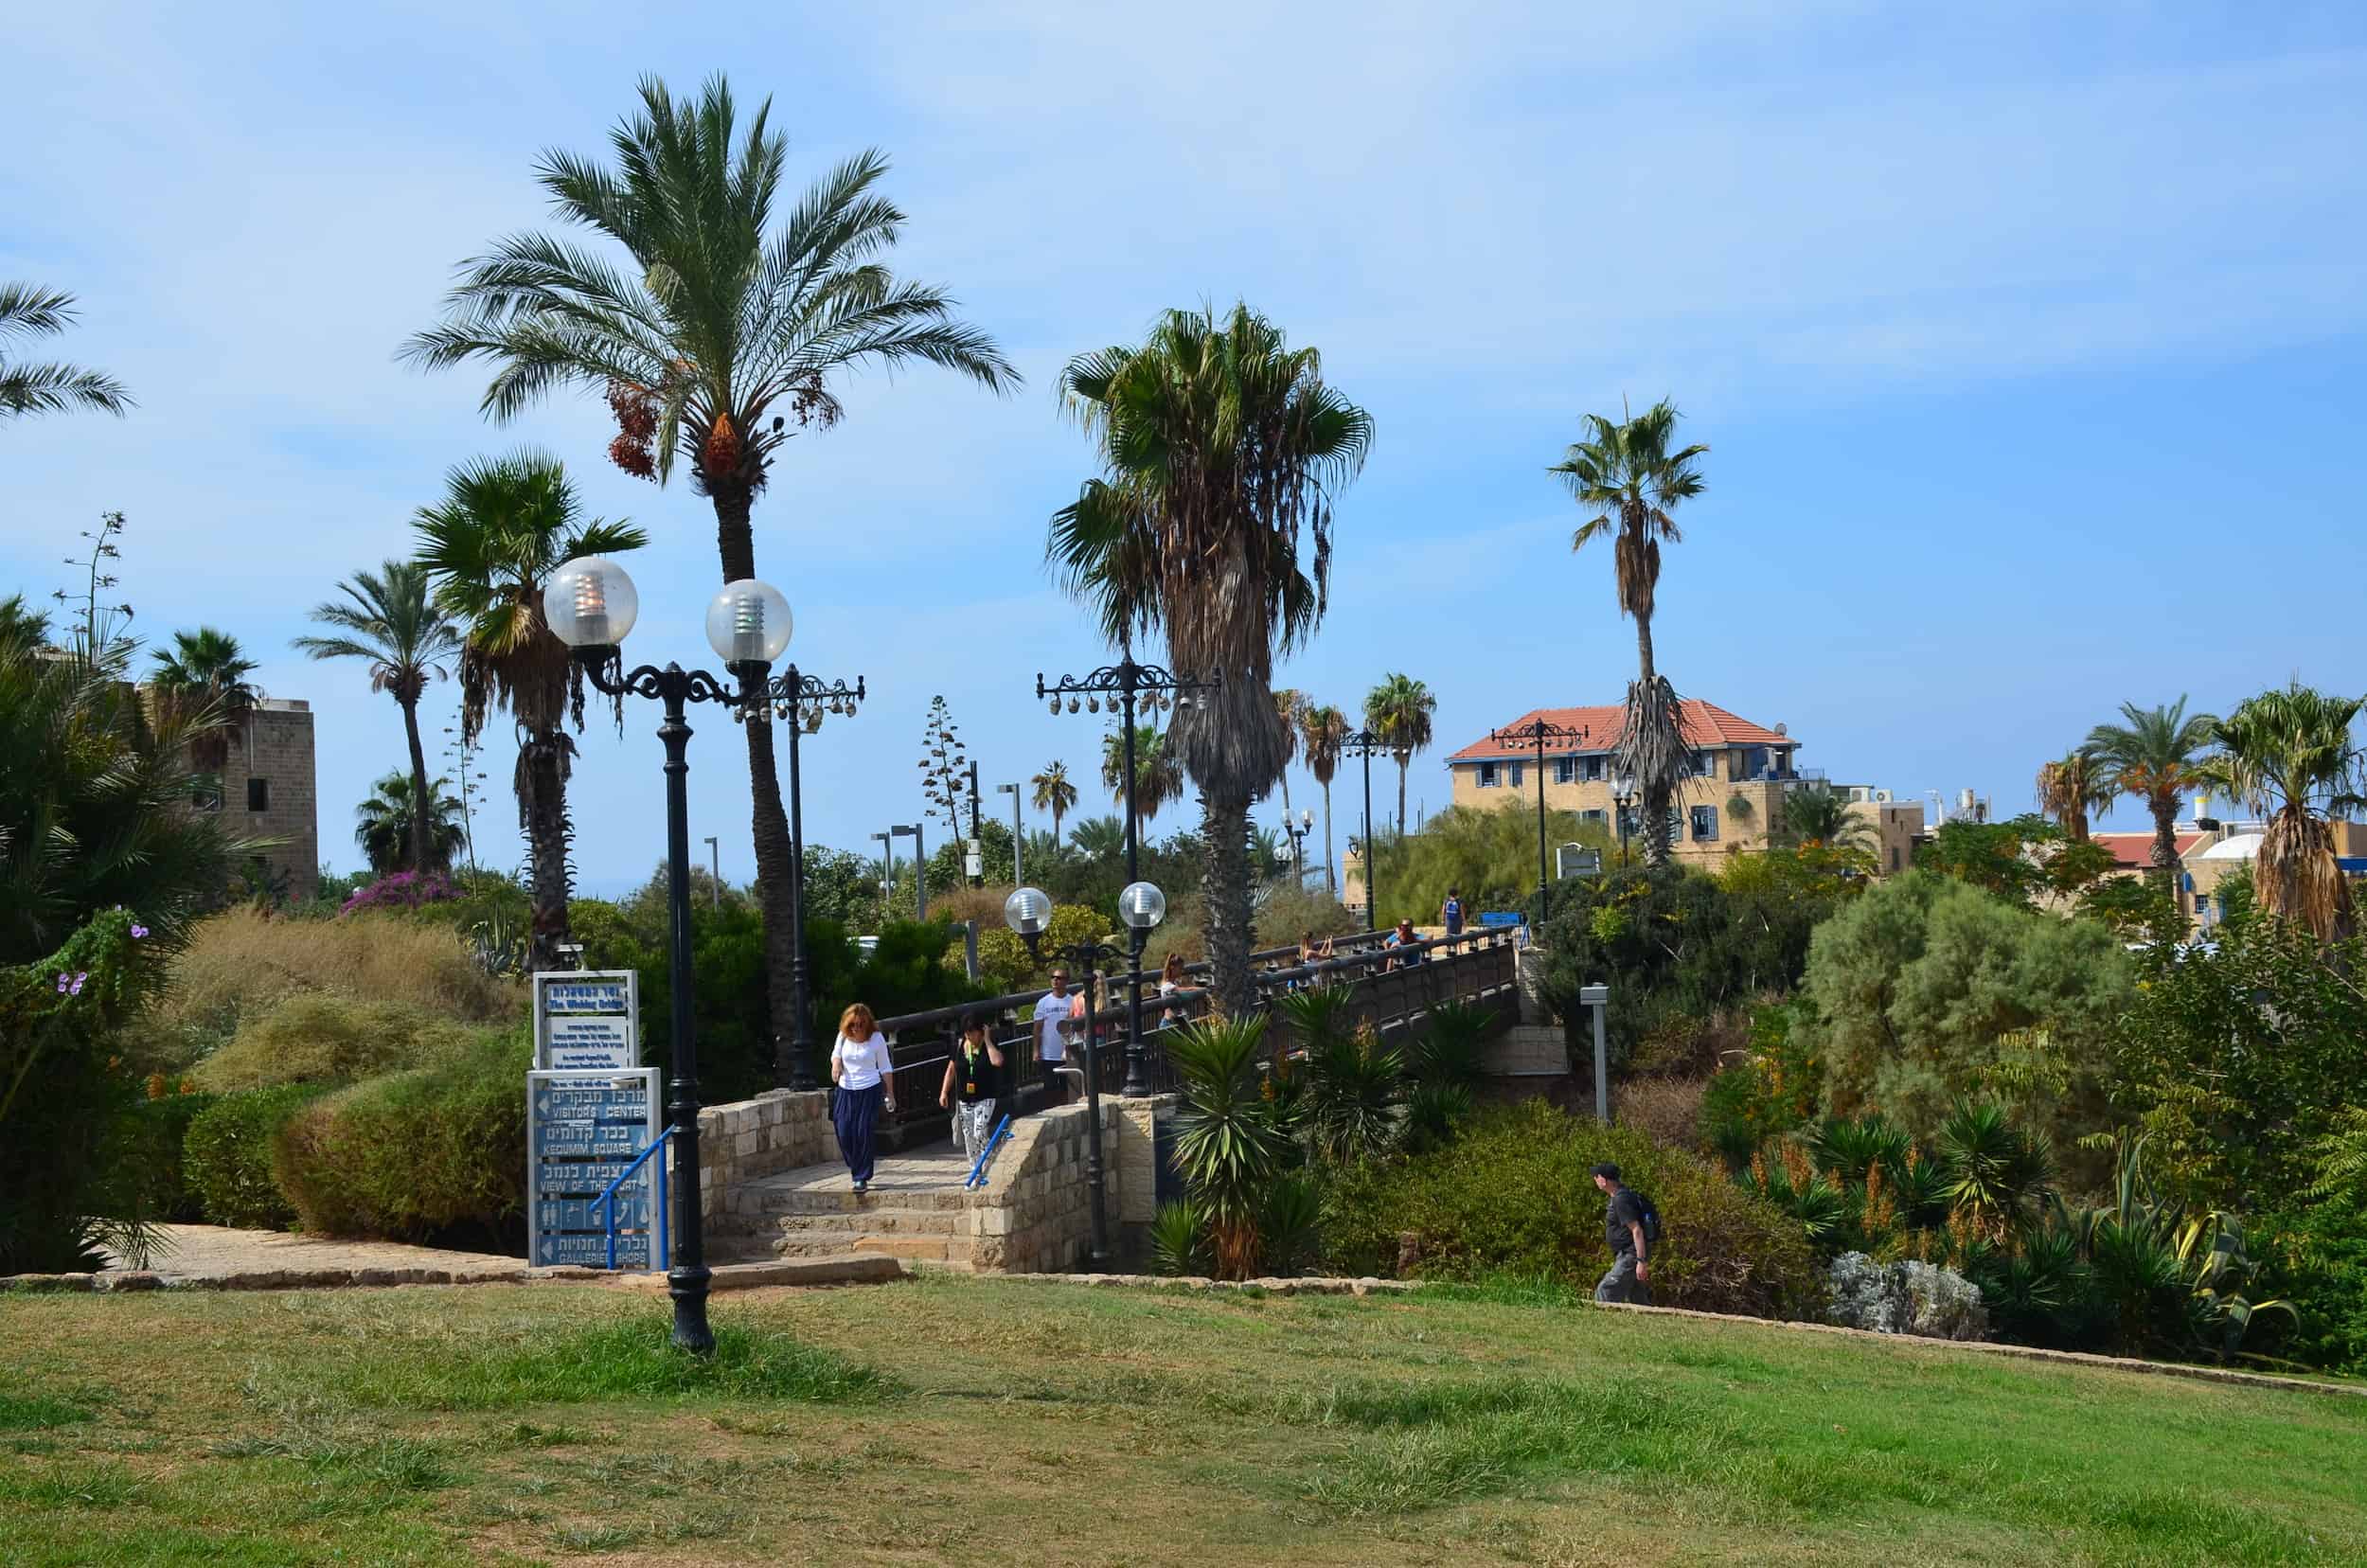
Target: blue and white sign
x,y
587,1020
584,1132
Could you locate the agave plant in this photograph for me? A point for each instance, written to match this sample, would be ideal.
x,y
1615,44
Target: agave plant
x,y
1228,1145
1178,1238
1353,1089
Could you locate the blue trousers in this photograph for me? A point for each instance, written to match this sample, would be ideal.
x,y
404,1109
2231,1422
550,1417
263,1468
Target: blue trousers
x,y
855,1115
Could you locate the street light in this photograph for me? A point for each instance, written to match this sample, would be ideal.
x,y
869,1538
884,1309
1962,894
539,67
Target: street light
x,y
1366,745
1142,906
1012,790
591,605
715,872
1539,731
921,865
1298,831
1126,680
887,871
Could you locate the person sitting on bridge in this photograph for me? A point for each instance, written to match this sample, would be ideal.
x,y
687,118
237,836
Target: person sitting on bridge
x,y
1402,938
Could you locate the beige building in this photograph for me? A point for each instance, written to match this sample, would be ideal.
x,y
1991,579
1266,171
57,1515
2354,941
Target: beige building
x,y
268,792
2210,851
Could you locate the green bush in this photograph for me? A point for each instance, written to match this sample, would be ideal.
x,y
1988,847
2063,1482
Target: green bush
x,y
1511,1195
226,1158
322,1040
413,1154
148,1159
2318,1261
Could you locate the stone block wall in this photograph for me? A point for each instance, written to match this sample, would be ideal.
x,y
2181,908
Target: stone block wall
x,y
780,1130
1035,1215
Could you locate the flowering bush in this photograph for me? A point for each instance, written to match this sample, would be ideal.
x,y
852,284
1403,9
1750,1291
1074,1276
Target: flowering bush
x,y
403,890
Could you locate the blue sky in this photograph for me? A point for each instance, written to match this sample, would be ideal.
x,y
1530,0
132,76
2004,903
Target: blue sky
x,y
2027,343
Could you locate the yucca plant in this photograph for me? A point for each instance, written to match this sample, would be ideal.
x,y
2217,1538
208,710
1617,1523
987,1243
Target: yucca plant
x,y
1319,1015
1853,1148
1447,1052
1353,1090
1289,1227
1997,1172
1792,1185
1228,1145
1179,1239
1434,1112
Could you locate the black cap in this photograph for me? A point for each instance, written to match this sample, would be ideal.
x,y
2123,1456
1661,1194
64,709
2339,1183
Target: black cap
x,y
1606,1170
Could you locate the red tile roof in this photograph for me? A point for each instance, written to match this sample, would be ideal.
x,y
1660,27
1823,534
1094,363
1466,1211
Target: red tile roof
x,y
2135,851
1705,725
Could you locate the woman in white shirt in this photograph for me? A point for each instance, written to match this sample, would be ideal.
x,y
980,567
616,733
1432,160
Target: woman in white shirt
x,y
861,1068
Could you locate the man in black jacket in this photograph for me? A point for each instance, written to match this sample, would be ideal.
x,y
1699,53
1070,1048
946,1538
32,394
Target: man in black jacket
x,y
1631,1275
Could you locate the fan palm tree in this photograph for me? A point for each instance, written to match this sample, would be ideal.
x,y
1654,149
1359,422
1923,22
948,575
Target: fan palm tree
x,y
1626,474
1158,778
1221,447
2156,755
1812,814
382,824
2290,756
1055,794
1323,736
503,526
389,621
1400,710
204,680
27,311
1100,838
719,339
2072,787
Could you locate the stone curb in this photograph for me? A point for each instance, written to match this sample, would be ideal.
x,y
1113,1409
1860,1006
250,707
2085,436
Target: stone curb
x,y
1368,1285
729,1277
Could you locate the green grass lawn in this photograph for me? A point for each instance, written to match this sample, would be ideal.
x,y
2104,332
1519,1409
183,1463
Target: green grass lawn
x,y
990,1422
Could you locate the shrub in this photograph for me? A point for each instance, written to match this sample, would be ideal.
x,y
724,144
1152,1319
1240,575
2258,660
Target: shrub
x,y
1286,913
238,963
413,1154
1927,990
318,1038
402,890
148,1157
1512,1196
1002,961
1668,1111
1772,1090
226,1156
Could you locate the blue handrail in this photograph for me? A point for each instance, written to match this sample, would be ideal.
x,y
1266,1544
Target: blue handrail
x,y
977,1171
607,1197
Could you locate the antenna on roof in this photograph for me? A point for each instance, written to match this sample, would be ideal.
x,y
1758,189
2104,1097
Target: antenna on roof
x,y
1781,730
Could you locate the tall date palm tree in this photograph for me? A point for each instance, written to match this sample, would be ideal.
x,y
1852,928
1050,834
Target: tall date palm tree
x,y
717,341
27,311
503,526
1323,736
1400,711
203,680
1158,777
2157,755
2073,788
1221,447
1055,794
388,620
1626,473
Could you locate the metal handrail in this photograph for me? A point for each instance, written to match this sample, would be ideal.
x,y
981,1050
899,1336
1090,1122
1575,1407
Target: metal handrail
x,y
657,1212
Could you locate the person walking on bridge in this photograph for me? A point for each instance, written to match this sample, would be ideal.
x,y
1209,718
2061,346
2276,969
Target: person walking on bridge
x,y
973,1080
864,1075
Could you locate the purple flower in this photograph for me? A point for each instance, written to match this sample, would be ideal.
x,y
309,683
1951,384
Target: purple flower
x,y
138,931
61,985
71,984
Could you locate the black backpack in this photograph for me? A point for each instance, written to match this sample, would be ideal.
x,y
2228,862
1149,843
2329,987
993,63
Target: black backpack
x,y
1652,1220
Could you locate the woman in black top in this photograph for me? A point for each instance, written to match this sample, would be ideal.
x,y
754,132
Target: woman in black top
x,y
973,1082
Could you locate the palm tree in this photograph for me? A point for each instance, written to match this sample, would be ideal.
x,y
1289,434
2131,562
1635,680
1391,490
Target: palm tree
x,y
1289,703
389,621
1220,448
2289,755
503,526
1813,814
1099,838
1323,736
1158,778
382,824
2073,787
716,343
27,311
204,680
1628,474
1055,794
2156,755
1400,711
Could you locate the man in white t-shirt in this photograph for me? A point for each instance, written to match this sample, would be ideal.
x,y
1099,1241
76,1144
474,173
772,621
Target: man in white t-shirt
x,y
1053,1009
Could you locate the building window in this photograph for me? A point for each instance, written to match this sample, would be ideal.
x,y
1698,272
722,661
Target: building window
x,y
1516,775
1565,769
1702,768
1706,824
1487,775
1893,857
1590,817
259,795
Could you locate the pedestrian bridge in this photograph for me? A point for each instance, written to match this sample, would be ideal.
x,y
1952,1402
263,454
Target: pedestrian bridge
x,y
772,1186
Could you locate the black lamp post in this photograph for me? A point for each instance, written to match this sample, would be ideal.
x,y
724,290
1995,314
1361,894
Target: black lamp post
x,y
1298,831
1126,681
801,701
1364,744
591,604
1027,911
1539,731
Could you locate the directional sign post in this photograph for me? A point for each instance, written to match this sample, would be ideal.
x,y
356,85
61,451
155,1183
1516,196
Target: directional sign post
x,y
584,1130
587,1019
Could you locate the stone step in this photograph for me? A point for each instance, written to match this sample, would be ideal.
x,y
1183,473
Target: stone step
x,y
756,1198
957,1251
904,1221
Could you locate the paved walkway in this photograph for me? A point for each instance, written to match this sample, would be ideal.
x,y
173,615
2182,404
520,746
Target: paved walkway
x,y
937,1167
217,1252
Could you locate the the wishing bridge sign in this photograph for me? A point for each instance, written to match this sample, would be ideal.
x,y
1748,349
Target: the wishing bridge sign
x,y
591,1108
